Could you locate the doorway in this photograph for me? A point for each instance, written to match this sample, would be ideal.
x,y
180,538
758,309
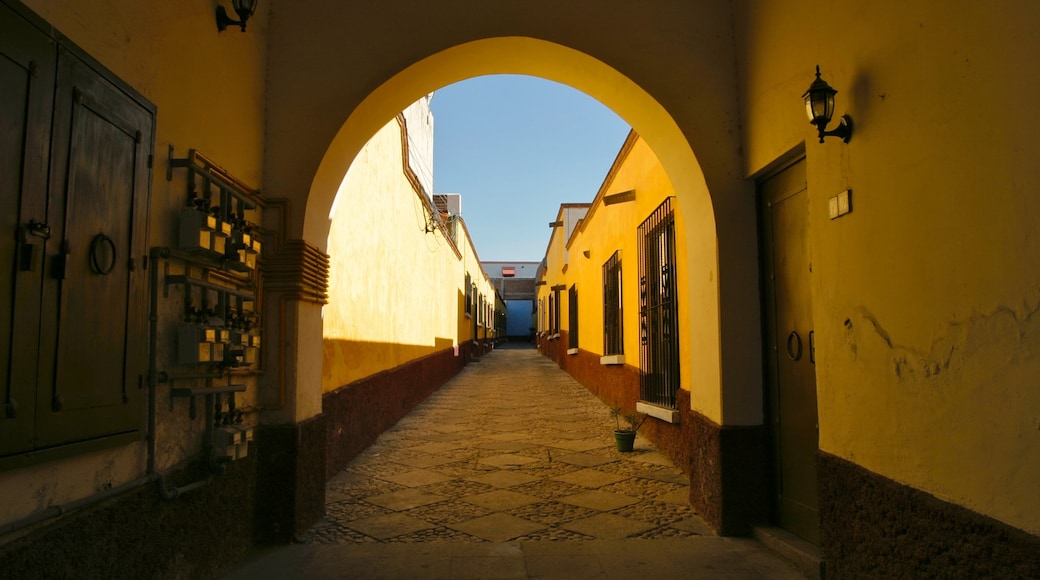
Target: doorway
x,y
789,342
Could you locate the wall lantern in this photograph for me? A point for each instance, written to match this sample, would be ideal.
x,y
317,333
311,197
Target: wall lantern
x,y
819,105
244,9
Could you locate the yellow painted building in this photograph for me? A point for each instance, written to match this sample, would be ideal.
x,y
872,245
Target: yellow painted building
x,y
909,322
408,305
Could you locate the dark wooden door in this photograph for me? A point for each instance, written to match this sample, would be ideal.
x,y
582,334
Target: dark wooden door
x,y
26,91
789,336
92,359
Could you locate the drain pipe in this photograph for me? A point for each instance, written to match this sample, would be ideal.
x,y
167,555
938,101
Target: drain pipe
x,y
170,493
153,356
61,510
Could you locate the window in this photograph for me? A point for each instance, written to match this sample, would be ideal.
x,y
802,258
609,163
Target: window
x,y
552,314
556,311
658,311
540,316
469,294
572,317
612,306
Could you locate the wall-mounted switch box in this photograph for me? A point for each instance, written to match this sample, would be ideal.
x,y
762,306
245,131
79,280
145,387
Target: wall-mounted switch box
x,y
195,344
840,204
231,443
196,231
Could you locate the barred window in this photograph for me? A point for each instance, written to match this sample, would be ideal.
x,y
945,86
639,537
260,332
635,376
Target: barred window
x,y
658,311
469,294
572,317
552,314
612,306
556,312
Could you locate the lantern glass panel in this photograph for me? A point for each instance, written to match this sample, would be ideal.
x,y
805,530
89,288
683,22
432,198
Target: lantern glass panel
x,y
247,6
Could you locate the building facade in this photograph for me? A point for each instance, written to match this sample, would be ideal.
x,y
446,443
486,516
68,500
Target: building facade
x,y
514,282
917,317
426,307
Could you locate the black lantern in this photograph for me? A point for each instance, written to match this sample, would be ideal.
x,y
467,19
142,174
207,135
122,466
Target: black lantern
x,y
819,106
244,9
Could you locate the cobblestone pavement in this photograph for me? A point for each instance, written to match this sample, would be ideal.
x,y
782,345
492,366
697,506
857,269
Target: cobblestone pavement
x,y
517,461
510,449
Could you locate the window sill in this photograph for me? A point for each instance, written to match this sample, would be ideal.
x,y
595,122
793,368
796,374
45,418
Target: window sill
x,y
612,359
572,351
663,413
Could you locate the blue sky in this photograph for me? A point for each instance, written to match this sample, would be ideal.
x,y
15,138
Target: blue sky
x,y
516,147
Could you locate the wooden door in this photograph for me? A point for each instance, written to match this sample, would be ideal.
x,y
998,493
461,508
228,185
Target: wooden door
x,y
94,298
791,372
27,80
75,150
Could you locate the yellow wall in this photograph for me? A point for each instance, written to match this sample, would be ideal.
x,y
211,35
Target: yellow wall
x,y
608,228
209,90
392,282
925,296
931,381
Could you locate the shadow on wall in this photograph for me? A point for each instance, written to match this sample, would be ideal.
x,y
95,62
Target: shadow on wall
x,y
355,414
346,361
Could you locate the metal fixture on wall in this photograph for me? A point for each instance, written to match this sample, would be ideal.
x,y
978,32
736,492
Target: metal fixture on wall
x,y
244,9
819,106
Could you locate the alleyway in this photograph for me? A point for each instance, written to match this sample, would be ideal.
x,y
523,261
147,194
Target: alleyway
x,y
510,471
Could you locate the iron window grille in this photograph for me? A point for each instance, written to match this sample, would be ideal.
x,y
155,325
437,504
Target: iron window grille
x,y
469,294
658,310
556,312
572,317
612,306
552,314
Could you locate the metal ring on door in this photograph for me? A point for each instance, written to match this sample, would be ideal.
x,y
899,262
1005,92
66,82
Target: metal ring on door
x,y
96,256
796,352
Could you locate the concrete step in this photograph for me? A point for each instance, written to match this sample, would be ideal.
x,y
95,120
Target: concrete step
x,y
802,554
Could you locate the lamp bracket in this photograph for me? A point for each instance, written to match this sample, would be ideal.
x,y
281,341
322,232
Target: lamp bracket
x,y
223,20
843,131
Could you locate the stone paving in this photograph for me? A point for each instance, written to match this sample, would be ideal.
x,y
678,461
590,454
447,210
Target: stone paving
x,y
511,449
517,461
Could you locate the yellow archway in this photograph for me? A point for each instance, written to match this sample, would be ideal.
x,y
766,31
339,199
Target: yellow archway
x,y
547,60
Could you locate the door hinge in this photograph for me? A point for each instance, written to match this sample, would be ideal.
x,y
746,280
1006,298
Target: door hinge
x,y
150,158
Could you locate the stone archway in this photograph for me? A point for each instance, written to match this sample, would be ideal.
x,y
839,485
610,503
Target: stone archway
x,y
673,88
521,55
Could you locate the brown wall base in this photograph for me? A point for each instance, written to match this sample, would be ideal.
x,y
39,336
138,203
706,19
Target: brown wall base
x,y
727,466
201,534
357,413
292,483
728,473
873,526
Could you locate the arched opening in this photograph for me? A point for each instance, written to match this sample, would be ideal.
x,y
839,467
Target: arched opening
x,y
528,56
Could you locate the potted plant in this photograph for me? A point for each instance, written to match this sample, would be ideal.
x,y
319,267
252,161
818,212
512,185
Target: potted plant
x,y
626,436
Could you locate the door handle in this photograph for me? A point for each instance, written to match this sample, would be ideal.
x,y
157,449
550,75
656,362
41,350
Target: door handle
x,y
794,346
812,346
102,255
